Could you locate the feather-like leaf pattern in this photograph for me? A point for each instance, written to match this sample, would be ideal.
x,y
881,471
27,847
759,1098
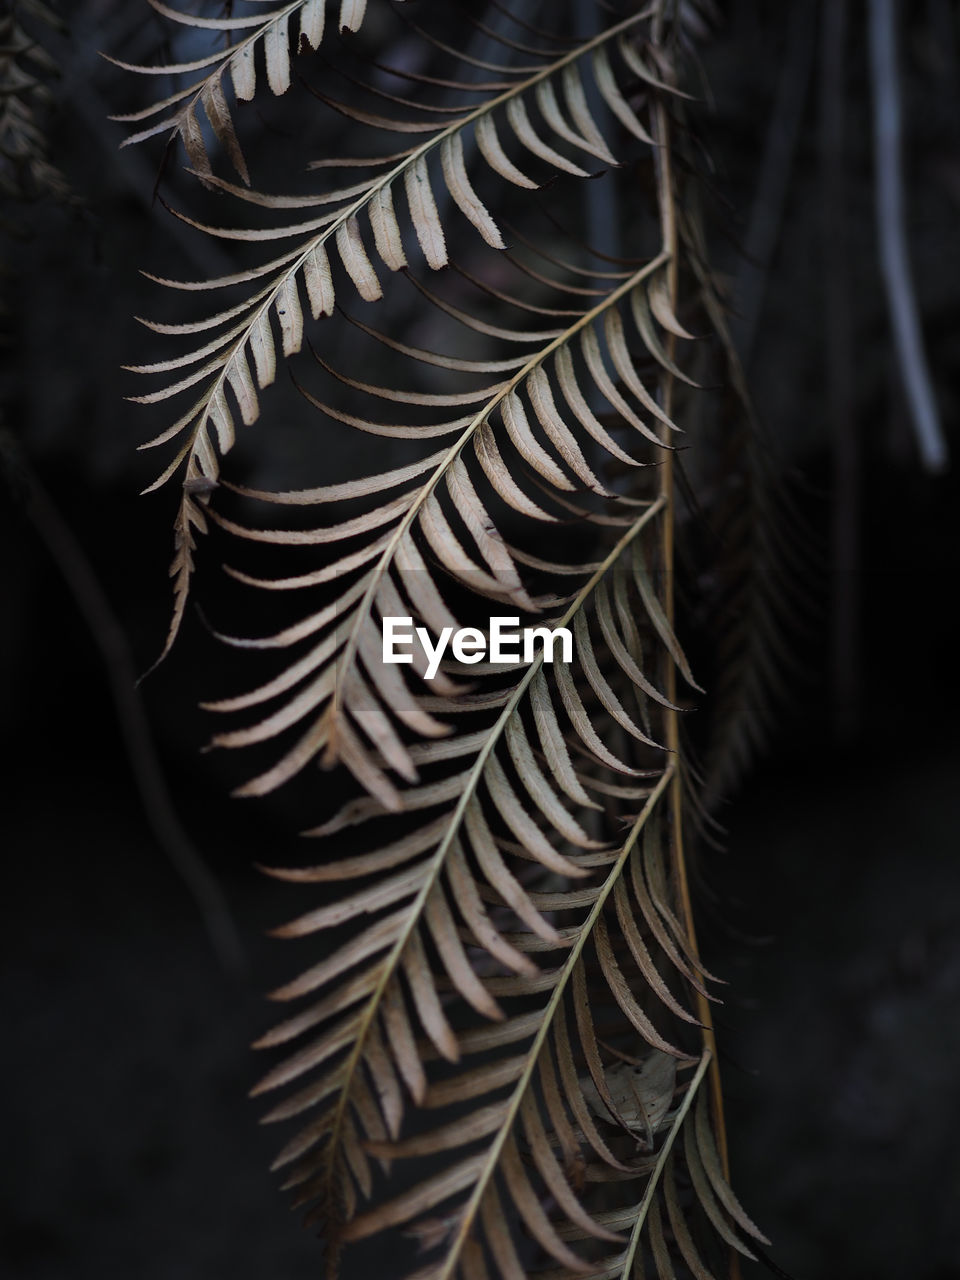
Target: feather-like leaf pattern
x,y
207,430
275,36
506,994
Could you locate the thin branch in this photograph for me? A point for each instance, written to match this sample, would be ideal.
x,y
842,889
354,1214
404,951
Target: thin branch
x,y
668,218
892,233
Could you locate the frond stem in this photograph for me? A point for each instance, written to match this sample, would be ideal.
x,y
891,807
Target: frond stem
x,y
704,1012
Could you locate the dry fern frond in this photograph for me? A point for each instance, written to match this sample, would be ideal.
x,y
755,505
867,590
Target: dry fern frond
x,y
240,359
274,36
752,592
507,984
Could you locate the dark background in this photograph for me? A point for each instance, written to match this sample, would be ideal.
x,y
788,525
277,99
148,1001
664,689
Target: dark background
x,y
129,1148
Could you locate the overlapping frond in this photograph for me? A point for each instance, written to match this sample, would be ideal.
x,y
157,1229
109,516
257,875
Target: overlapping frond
x,y
439,519
465,963
238,352
759,560
504,992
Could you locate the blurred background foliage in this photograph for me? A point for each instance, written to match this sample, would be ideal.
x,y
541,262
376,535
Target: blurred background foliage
x,y
129,1146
